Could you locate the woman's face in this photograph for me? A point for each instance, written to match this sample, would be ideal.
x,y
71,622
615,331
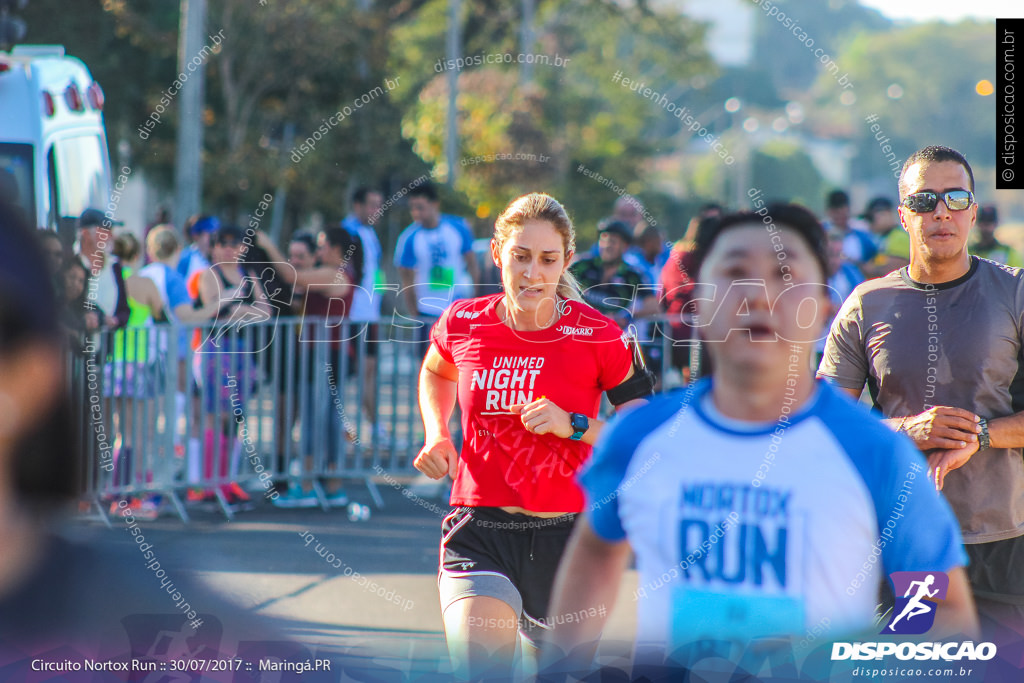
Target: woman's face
x,y
54,254
300,256
74,283
227,251
327,255
531,261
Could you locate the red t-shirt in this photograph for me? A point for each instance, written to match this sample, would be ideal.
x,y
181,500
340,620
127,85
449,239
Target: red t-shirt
x,y
571,363
316,306
677,282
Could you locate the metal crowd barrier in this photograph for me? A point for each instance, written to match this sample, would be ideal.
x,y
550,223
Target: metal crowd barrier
x,y
171,410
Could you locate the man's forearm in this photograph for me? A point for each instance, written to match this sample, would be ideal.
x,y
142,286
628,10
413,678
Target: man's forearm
x,y
895,423
409,290
1006,432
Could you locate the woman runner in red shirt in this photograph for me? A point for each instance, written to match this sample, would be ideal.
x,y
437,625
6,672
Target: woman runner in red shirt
x,y
528,367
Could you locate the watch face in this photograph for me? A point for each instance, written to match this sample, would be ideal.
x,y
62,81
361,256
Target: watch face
x,y
580,422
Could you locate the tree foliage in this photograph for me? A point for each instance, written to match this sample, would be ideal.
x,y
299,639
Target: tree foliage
x,y
826,23
571,114
291,66
919,81
298,62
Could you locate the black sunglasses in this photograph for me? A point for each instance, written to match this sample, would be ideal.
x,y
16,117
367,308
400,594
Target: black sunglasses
x,y
924,202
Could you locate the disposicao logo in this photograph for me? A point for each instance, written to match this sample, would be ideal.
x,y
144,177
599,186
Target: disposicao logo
x,y
914,612
917,599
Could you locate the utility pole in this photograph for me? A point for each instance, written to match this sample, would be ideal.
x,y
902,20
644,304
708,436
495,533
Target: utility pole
x,y
281,193
454,53
188,165
526,41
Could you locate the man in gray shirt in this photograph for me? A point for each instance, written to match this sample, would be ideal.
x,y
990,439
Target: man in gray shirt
x,y
939,344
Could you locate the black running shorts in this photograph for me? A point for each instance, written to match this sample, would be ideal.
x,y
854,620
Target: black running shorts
x,y
486,551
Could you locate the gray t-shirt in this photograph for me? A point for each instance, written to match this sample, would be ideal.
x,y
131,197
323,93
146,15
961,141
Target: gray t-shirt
x,y
954,344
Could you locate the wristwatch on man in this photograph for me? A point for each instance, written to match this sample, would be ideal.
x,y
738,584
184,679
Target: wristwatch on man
x,y
983,438
580,424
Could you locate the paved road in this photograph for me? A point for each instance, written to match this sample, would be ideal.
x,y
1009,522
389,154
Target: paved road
x,y
261,560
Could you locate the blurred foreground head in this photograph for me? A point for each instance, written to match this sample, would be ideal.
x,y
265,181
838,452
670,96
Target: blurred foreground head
x,y
37,450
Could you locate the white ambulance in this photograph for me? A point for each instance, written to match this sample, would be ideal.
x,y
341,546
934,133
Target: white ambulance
x,y
53,147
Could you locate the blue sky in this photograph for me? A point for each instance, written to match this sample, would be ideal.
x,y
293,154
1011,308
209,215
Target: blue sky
x,y
947,9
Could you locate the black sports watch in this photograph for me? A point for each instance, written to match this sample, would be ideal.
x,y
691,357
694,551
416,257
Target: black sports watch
x,y
984,440
580,424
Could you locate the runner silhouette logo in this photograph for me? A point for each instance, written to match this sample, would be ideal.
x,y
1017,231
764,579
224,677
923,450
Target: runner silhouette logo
x,y
917,595
257,301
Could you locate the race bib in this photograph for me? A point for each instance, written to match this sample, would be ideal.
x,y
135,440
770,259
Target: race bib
x,y
441,277
698,615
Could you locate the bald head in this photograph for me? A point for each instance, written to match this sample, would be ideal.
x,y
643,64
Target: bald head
x,y
628,209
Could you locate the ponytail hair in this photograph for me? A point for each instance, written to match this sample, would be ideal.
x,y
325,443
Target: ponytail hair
x,y
541,207
569,288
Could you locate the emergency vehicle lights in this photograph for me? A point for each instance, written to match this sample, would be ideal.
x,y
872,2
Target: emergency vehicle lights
x,y
73,98
48,105
95,95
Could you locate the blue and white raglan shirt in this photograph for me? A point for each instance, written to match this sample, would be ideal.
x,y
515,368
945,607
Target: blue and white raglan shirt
x,y
437,257
745,530
366,300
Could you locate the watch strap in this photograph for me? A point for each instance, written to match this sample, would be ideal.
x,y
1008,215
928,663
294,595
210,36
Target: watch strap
x,y
577,432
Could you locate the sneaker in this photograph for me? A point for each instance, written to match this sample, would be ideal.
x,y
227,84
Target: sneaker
x,y
148,509
296,498
235,493
145,509
337,499
202,499
196,495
